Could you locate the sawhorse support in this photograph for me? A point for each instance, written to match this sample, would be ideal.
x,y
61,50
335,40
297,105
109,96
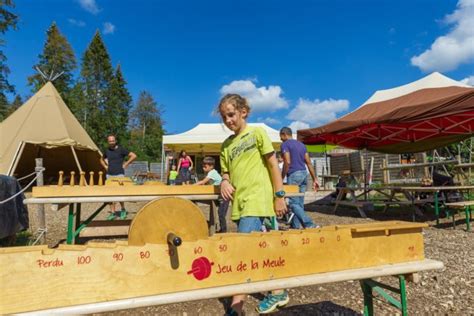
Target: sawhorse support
x,y
369,286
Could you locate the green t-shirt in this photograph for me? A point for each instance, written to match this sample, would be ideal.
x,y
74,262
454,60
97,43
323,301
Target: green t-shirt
x,y
173,174
242,156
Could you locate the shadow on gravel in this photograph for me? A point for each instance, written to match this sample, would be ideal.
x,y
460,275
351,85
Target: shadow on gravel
x,y
321,308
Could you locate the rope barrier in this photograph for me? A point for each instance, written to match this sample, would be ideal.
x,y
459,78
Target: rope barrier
x,y
25,188
41,232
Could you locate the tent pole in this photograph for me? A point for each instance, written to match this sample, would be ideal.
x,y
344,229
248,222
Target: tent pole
x,y
16,158
75,158
40,207
365,175
162,162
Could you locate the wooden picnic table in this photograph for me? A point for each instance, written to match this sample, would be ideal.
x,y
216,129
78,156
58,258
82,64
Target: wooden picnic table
x,y
466,205
409,192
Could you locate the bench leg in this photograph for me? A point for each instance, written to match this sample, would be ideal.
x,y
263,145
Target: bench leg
x,y
468,214
368,299
369,286
70,225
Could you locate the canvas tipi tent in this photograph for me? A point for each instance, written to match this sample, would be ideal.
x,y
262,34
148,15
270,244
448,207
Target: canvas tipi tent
x,y
45,128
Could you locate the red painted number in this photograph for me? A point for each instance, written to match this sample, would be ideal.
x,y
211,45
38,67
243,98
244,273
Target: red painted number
x,y
338,238
84,259
305,241
144,254
118,256
262,244
222,248
284,243
198,250
321,240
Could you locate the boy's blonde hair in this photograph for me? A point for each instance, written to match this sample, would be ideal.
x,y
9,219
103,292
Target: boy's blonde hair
x,y
236,100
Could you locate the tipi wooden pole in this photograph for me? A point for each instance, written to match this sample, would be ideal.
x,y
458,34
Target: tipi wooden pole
x,y
41,215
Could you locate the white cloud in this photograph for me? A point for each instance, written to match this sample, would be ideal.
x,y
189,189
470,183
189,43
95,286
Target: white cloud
x,y
457,47
259,98
75,22
316,113
469,80
297,125
108,28
90,6
269,120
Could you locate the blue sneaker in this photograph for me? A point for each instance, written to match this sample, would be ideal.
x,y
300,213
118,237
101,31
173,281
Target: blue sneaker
x,y
272,301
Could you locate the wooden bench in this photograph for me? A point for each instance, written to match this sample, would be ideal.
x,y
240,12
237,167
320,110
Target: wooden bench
x,y
466,205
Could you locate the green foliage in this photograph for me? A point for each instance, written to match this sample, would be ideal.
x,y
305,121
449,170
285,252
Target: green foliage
x,y
17,102
118,106
146,128
7,20
57,57
97,75
4,107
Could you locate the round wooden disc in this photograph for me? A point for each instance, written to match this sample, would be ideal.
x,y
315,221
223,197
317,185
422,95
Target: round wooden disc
x,y
158,218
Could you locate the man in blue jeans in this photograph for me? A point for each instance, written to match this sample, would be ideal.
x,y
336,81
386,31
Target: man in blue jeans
x,y
296,162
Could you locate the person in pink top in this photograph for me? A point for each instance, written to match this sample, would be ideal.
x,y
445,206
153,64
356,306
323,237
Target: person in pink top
x,y
185,164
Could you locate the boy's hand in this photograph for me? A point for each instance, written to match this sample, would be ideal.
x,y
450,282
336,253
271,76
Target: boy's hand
x,y
315,186
227,190
280,207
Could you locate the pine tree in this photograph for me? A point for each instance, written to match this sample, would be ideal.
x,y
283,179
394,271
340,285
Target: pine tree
x,y
17,102
147,127
57,57
7,20
97,75
118,106
4,107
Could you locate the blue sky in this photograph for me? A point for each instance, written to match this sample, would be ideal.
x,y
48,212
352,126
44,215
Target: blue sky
x,y
300,63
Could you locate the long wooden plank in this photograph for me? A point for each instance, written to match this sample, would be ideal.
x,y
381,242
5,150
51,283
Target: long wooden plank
x,y
40,279
132,190
256,287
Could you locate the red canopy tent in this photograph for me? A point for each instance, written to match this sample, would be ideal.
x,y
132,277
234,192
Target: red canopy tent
x,y
426,114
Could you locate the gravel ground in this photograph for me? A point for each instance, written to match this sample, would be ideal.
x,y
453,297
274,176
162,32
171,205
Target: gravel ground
x,y
448,291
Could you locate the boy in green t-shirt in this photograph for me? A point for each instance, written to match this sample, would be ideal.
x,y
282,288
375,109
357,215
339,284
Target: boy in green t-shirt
x,y
252,180
173,175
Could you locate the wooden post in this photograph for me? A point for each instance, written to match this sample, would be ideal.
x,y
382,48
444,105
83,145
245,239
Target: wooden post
x,y
61,179
426,169
82,179
40,182
101,180
72,180
91,178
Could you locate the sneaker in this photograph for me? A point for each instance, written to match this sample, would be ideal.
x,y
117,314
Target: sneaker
x,y
111,216
272,301
123,214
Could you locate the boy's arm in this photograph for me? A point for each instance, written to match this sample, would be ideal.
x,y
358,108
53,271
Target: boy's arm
x,y
286,164
227,190
203,181
179,165
272,164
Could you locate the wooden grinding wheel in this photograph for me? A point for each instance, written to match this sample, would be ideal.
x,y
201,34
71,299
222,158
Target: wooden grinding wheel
x,y
158,218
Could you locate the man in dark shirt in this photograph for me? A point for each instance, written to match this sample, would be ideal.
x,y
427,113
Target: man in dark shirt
x,y
114,163
296,162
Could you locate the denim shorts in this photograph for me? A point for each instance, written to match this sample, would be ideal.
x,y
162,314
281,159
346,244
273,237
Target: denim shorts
x,y
249,224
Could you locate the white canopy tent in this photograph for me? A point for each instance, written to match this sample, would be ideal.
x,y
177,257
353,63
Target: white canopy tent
x,y
207,138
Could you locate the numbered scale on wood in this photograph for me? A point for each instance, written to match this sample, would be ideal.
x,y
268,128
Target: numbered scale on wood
x,y
169,250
